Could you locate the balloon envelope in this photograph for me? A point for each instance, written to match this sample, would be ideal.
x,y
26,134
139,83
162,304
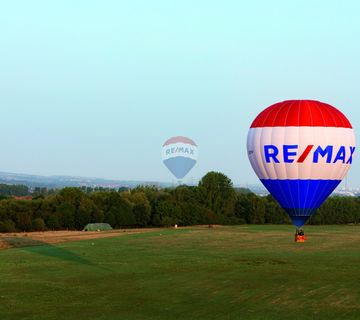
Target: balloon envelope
x,y
179,155
301,150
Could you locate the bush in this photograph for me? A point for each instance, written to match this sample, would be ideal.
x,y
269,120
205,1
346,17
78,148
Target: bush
x,y
168,221
38,224
23,220
53,222
7,226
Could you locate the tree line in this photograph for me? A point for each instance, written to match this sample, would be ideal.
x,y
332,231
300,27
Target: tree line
x,y
213,201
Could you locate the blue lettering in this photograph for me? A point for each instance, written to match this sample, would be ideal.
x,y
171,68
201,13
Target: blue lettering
x,y
340,155
288,153
323,152
271,152
352,150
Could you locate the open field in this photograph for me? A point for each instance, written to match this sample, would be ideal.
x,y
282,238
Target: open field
x,y
26,239
245,272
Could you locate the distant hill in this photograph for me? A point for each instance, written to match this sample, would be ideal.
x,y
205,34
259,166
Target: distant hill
x,y
70,181
58,182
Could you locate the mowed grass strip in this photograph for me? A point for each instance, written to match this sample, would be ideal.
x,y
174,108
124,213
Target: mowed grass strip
x,y
245,272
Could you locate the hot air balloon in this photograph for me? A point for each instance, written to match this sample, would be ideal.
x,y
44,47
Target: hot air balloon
x,y
301,150
179,155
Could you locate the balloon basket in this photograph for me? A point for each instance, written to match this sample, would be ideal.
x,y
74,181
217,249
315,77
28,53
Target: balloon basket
x,y
300,239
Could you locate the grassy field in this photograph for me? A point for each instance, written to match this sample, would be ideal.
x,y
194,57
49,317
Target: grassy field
x,y
246,272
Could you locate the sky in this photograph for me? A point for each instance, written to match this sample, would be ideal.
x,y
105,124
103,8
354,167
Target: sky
x,y
94,88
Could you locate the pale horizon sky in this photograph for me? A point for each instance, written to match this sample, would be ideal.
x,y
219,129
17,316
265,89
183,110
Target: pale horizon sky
x,y
94,88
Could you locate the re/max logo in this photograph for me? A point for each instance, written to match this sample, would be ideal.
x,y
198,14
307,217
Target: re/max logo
x,y
290,154
184,150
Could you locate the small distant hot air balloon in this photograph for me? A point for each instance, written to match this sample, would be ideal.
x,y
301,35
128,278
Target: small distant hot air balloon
x,y
301,150
179,155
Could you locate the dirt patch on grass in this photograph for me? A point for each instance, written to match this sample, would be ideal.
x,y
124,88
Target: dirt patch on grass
x,y
19,240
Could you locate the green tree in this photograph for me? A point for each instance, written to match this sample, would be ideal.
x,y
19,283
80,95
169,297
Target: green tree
x,y
169,213
84,213
141,208
53,222
257,210
38,224
21,213
14,190
125,216
110,218
274,214
66,213
7,226
217,194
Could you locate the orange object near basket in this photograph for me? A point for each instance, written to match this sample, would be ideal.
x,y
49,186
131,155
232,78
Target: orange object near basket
x,y
300,239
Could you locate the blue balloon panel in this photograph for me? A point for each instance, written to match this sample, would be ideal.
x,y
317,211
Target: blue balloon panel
x,y
300,198
180,166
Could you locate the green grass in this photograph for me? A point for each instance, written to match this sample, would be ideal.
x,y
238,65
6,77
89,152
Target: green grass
x,y
246,272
